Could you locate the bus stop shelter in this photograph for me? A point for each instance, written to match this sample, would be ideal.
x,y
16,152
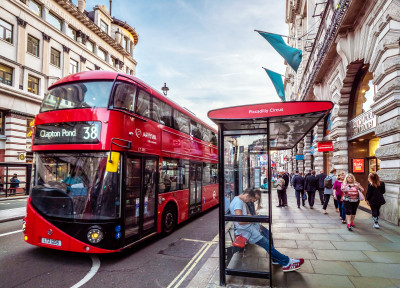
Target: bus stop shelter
x,y
246,136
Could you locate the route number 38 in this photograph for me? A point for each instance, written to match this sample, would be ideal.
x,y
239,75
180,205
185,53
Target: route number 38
x,y
90,133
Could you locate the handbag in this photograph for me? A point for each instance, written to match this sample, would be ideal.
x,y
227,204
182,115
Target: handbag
x,y
361,195
240,241
304,196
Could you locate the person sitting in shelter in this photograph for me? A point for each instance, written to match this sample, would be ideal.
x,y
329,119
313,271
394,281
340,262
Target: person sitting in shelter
x,y
256,235
14,184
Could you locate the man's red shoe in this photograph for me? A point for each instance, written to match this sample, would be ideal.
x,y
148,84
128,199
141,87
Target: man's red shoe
x,y
293,265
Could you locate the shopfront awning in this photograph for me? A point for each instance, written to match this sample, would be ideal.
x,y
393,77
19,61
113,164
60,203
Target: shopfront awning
x,y
288,122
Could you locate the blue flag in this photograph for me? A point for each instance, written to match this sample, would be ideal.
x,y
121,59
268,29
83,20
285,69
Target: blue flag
x,y
291,55
278,83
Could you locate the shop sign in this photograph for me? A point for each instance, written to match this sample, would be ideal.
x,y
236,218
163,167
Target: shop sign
x,y
299,157
325,146
358,165
362,124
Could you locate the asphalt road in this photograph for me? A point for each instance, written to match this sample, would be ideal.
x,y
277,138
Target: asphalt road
x,y
155,263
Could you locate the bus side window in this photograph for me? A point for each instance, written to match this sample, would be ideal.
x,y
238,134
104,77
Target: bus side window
x,y
156,111
213,139
206,174
166,114
181,122
214,173
143,104
124,96
206,133
195,130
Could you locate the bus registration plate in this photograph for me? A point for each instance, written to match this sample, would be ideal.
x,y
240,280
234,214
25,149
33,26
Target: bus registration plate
x,y
51,241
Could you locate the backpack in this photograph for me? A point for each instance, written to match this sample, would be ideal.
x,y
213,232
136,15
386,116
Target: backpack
x,y
328,182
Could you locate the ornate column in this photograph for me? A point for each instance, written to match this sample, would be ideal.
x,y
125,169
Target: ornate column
x,y
45,53
66,61
300,163
307,152
385,64
83,63
318,156
290,160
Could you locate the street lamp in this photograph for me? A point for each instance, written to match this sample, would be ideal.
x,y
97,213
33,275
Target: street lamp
x,y
165,89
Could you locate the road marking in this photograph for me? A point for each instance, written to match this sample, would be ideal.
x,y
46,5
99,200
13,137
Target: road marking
x,y
9,233
195,240
190,266
92,272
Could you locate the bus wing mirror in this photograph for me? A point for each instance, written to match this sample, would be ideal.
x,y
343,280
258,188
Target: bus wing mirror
x,y
112,162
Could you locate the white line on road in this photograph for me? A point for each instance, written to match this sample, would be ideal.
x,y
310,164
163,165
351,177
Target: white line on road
x,y
9,233
92,272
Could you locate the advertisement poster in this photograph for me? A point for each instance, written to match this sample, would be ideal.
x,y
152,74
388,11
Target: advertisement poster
x,y
358,165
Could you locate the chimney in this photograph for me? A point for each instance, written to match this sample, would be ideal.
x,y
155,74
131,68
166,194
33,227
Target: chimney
x,y
81,5
110,7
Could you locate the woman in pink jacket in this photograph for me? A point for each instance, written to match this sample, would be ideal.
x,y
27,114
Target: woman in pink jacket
x,y
351,198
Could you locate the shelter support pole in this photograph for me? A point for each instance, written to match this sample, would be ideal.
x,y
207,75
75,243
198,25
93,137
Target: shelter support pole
x,y
269,201
221,195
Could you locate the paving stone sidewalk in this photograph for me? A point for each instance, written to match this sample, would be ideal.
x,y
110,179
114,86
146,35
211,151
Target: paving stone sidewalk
x,y
334,256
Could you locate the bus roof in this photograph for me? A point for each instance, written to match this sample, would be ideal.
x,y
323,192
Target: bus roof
x,y
288,122
111,75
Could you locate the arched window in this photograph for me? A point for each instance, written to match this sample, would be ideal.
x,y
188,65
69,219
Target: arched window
x,y
364,93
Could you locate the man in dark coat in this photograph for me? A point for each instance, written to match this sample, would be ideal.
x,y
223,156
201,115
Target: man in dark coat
x,y
286,178
320,178
311,185
298,184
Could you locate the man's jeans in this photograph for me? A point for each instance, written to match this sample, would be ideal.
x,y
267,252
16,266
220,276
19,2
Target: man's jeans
x,y
275,255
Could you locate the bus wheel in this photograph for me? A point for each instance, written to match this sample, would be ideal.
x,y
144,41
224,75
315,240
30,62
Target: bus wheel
x,y
168,220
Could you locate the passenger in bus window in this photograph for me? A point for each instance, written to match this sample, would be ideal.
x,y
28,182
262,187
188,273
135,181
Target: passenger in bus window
x,y
72,179
167,182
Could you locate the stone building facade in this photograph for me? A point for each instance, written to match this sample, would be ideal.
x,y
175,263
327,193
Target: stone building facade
x,y
42,41
351,56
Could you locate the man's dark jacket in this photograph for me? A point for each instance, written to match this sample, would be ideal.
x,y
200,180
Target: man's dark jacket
x,y
298,182
311,183
320,178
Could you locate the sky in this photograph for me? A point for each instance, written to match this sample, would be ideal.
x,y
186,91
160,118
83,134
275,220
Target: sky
x,y
206,51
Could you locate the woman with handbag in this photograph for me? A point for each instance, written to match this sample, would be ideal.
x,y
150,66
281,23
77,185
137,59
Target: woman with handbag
x,y
352,194
279,184
374,197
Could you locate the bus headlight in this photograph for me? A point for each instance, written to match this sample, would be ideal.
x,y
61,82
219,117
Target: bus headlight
x,y
23,225
95,235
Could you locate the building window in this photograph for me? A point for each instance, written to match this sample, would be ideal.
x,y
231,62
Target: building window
x,y
90,46
55,57
114,62
55,21
71,32
6,74
73,66
35,7
124,43
102,54
33,84
2,116
6,31
104,26
33,45
364,93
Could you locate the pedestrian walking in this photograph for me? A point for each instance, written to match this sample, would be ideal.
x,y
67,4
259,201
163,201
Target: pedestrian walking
x,y
298,184
351,198
338,195
286,178
311,185
280,184
374,197
328,190
321,177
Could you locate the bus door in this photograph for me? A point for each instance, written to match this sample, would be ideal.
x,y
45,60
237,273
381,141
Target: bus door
x,y
140,196
195,195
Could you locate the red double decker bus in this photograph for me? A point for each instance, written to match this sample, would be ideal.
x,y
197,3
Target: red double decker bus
x,y
115,162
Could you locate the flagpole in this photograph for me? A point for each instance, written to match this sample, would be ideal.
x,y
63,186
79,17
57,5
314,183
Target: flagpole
x,y
259,31
274,72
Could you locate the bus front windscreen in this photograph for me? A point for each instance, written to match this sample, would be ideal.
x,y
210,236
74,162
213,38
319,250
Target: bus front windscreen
x,y
75,186
93,94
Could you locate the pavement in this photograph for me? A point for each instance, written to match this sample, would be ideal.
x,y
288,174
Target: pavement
x,y
12,214
334,256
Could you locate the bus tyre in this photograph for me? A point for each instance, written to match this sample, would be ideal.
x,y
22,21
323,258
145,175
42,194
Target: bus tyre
x,y
169,219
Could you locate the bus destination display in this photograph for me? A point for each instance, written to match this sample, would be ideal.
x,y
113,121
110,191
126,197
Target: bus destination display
x,y
68,133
